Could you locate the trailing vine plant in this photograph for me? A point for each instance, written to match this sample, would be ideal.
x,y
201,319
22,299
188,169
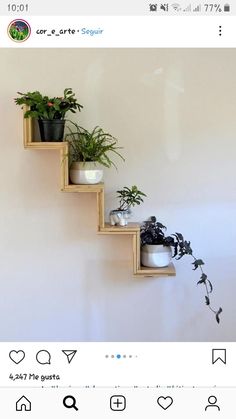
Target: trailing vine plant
x,y
153,232
183,247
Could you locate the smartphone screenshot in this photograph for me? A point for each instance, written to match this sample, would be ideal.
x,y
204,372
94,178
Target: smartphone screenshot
x,y
117,209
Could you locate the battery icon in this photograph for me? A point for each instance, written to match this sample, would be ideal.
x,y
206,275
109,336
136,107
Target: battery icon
x,y
227,8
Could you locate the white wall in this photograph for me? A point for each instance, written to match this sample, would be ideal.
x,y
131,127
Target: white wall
x,y
174,113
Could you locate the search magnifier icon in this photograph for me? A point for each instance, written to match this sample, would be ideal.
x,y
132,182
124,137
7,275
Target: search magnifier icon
x,y
70,402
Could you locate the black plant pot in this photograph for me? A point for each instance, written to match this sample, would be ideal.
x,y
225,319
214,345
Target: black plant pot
x,y
51,129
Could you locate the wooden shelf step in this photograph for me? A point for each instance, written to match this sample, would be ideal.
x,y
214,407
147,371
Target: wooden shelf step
x,y
43,145
131,228
99,187
144,271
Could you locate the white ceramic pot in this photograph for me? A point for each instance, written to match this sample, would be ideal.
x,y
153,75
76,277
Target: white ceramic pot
x,y
86,173
156,255
119,217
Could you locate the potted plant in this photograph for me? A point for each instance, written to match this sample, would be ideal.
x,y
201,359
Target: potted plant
x,y
88,152
156,252
50,112
155,246
128,197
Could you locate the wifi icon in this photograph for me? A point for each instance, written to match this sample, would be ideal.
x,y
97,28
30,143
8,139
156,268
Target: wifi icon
x,y
176,7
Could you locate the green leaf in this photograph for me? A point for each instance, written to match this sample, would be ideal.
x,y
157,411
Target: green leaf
x,y
197,263
203,279
218,315
207,300
210,285
179,236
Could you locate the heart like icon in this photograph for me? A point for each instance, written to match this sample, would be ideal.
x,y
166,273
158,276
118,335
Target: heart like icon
x,y
17,356
165,402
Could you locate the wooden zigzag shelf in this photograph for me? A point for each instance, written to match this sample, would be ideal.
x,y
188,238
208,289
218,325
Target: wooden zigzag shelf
x,y
132,229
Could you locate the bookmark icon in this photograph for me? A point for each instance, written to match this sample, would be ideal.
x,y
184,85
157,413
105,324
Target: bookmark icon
x,y
218,355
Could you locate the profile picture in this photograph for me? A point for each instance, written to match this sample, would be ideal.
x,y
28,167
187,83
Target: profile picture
x,y
19,30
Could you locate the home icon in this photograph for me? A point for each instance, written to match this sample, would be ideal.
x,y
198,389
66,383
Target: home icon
x,y
23,404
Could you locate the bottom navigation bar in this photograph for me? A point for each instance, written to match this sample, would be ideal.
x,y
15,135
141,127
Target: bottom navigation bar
x,y
104,402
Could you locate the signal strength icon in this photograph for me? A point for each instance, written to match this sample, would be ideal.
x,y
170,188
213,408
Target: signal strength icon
x,y
198,8
176,7
188,8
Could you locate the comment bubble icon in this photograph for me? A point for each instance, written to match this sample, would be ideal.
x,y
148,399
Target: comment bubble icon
x,y
43,357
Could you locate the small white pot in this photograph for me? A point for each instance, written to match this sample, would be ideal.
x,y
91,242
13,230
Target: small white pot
x,y
86,173
156,255
119,217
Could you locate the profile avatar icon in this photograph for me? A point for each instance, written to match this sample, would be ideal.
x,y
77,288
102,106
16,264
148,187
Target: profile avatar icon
x,y
19,30
212,400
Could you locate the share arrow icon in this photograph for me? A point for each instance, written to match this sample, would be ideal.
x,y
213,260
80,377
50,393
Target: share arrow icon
x,y
70,355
